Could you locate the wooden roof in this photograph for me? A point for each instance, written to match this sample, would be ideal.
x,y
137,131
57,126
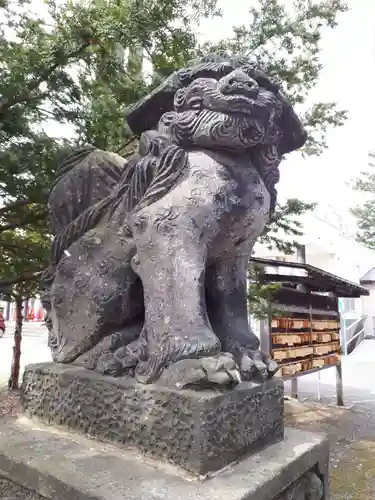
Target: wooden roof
x,y
315,279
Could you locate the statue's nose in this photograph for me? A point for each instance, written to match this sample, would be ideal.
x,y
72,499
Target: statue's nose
x,y
238,82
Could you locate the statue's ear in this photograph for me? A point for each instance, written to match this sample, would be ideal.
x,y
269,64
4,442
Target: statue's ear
x,y
146,113
294,134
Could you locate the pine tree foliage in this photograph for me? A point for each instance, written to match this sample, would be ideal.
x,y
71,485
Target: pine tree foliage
x,y
365,213
69,69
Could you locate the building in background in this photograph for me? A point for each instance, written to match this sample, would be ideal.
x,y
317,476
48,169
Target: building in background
x,y
330,244
32,310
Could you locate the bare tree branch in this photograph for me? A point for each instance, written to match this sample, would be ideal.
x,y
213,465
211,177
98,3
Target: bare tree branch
x,y
14,205
23,223
25,95
127,143
22,278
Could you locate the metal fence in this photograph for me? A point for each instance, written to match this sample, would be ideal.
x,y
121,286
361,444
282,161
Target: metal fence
x,y
352,335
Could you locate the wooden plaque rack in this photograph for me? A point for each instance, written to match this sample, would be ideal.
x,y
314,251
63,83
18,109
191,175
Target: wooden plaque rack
x,y
302,330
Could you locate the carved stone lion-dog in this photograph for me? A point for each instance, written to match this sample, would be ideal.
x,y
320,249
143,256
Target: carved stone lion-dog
x,y
148,272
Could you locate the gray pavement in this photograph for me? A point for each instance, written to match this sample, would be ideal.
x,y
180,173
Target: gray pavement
x,y
34,347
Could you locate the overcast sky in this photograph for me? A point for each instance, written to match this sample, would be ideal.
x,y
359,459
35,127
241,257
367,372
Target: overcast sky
x,y
348,78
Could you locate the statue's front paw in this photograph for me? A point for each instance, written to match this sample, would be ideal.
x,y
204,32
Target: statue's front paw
x,y
107,364
219,371
128,356
257,366
120,362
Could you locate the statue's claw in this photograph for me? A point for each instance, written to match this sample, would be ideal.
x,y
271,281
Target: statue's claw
x,y
107,364
211,372
128,356
120,362
257,365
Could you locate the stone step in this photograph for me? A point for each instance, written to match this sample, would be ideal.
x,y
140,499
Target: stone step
x,y
65,466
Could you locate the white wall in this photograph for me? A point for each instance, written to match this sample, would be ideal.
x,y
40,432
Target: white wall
x,y
335,249
369,310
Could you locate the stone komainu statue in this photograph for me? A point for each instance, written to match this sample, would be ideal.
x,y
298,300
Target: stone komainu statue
x,y
148,271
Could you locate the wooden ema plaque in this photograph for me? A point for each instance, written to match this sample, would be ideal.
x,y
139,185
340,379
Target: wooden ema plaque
x,y
305,336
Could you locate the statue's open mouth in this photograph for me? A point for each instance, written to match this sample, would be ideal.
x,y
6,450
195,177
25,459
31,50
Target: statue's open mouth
x,y
241,102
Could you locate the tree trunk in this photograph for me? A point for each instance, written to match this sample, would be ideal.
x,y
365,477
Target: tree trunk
x,y
15,370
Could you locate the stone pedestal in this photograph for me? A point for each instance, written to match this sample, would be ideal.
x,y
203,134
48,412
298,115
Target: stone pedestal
x,y
199,431
154,443
37,462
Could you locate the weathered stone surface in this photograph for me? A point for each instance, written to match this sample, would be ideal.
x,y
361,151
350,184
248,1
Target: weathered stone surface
x,y
307,487
13,491
199,431
64,466
148,269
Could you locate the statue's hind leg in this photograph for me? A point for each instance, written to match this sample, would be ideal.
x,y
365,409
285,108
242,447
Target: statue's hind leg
x,y
95,301
180,347
226,292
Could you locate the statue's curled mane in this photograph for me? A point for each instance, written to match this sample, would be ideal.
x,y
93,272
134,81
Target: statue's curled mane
x,y
147,176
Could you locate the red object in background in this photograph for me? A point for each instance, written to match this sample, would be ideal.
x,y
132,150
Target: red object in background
x,y
30,316
2,322
40,315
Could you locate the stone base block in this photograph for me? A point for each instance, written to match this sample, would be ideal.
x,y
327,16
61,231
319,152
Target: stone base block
x,y
58,465
10,490
199,431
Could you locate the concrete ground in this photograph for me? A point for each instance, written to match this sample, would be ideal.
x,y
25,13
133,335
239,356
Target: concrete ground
x,y
34,347
351,429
